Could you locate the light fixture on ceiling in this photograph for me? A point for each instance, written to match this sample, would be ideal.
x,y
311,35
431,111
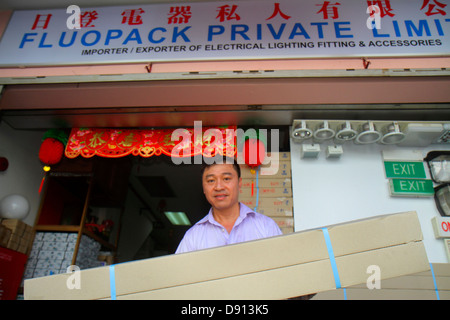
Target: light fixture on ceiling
x,y
346,132
301,132
393,134
324,132
368,134
177,218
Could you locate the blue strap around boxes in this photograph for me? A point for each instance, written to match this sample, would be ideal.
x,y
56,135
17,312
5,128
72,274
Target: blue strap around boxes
x,y
112,275
112,281
434,281
333,261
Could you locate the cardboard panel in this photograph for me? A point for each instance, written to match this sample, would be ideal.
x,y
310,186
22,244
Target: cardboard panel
x,y
297,280
356,245
418,286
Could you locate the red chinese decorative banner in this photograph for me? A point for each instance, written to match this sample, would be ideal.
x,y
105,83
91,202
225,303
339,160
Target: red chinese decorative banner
x,y
114,143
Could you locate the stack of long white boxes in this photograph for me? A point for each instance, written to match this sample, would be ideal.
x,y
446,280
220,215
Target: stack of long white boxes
x,y
281,267
52,253
272,186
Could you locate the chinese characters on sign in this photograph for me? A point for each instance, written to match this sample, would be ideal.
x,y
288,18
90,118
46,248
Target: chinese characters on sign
x,y
114,143
228,30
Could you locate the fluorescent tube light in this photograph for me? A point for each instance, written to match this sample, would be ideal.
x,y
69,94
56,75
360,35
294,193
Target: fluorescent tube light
x,y
177,218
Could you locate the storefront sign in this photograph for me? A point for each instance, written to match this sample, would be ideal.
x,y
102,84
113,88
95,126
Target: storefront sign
x,y
411,187
260,29
404,169
441,227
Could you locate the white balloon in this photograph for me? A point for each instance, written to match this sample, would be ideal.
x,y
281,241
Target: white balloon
x,y
14,206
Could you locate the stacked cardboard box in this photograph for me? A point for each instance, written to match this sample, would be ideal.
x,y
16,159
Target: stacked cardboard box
x,y
419,286
52,253
88,253
277,268
20,237
5,234
273,189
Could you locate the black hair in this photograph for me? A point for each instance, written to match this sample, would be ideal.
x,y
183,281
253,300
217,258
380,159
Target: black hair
x,y
223,160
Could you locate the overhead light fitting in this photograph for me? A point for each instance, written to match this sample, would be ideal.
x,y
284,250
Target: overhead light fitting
x,y
346,132
422,134
393,134
368,134
324,132
384,132
301,132
177,218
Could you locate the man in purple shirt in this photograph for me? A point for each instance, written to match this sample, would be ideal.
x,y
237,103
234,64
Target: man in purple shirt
x,y
228,220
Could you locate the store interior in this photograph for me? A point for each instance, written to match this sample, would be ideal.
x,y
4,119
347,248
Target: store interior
x,y
134,197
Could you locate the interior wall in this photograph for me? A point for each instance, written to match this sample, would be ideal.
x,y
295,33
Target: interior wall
x,y
24,173
134,230
331,191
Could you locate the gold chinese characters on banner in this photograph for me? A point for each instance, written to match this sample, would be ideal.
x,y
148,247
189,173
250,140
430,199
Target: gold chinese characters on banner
x,y
114,143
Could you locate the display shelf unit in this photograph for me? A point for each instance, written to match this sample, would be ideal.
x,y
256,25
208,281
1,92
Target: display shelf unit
x,y
71,192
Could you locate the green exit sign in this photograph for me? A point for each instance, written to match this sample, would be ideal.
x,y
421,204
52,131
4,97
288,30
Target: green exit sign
x,y
411,187
405,169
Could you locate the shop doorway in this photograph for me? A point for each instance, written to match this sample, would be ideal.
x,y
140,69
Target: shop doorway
x,y
121,203
130,195
158,186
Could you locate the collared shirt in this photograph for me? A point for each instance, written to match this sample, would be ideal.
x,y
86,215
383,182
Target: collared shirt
x,y
208,233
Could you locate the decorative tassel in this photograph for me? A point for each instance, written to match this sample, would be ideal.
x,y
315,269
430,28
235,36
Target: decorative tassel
x,y
253,185
46,169
42,184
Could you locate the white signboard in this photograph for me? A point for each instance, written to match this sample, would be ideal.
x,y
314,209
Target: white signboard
x,y
441,227
227,30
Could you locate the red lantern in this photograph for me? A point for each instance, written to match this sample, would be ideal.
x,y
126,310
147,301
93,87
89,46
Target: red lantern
x,y
254,152
52,149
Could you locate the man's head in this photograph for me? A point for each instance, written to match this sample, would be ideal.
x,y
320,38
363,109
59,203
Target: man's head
x,y
224,160
221,183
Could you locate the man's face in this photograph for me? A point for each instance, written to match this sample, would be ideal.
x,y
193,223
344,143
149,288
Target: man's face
x,y
221,185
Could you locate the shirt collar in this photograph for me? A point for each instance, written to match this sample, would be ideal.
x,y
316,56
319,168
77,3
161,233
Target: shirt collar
x,y
244,211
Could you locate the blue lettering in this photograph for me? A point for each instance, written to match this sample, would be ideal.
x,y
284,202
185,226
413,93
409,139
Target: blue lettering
x,y
242,32
301,33
72,40
396,28
376,35
276,35
96,39
150,35
133,36
212,31
258,32
319,28
26,39
439,27
423,25
338,29
112,34
42,44
180,33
